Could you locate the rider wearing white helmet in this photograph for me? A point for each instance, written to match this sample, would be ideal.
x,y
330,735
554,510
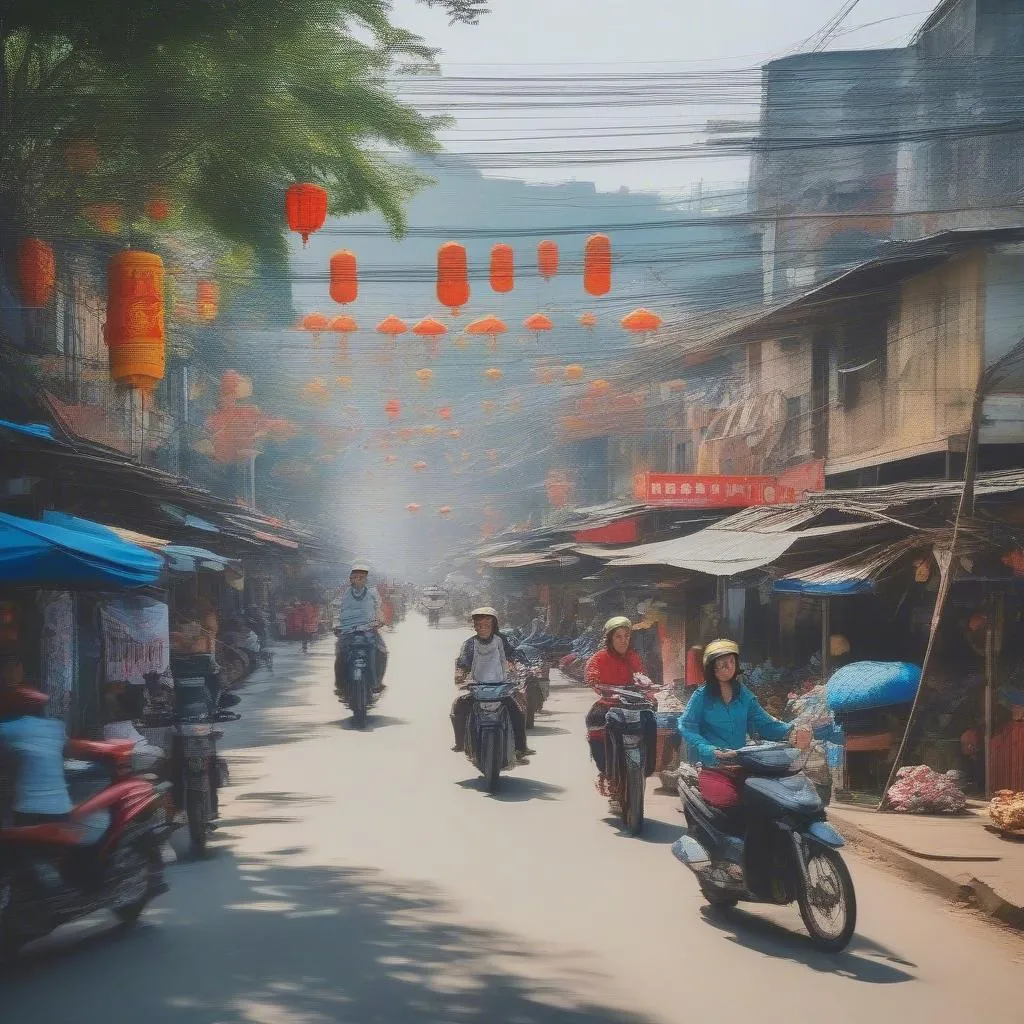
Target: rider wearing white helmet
x,y
486,657
360,609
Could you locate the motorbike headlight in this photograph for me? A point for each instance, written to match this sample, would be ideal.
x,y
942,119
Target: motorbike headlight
x,y
490,705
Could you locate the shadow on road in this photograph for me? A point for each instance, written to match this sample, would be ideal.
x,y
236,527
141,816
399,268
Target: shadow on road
x,y
548,730
513,789
373,721
303,944
879,967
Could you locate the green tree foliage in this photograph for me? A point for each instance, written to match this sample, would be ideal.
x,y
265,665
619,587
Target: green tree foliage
x,y
220,120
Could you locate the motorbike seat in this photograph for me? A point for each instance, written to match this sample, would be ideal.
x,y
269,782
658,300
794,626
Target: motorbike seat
x,y
73,832
731,821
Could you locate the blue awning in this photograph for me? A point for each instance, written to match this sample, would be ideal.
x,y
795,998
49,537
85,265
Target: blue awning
x,y
840,588
43,553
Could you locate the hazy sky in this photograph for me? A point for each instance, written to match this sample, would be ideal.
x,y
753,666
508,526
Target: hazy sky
x,y
622,37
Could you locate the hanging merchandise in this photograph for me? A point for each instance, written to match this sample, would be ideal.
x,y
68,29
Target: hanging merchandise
x,y
503,272
597,265
207,300
37,272
134,331
344,277
452,276
547,259
306,209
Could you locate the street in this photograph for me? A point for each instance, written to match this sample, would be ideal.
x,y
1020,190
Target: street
x,y
366,877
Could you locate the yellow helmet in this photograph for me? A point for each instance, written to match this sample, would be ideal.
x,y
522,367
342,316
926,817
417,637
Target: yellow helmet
x,y
717,648
616,622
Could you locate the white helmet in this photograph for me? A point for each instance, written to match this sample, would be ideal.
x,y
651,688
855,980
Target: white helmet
x,y
361,567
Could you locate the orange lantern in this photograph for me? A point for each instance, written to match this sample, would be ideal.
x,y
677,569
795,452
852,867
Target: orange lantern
x,y
452,276
419,466
405,433
316,392
158,209
429,430
493,373
390,459
488,407
207,300
597,265
392,326
503,268
445,412
444,510
598,387
455,433
316,324
425,376
343,325
573,372
37,272
588,320
547,259
491,326
344,383
393,409
537,323
134,330
344,277
431,330
641,321
412,507
280,430
305,206
545,375
234,387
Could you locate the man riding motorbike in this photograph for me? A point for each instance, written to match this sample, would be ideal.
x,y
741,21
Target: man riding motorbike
x,y
617,664
486,657
718,718
360,609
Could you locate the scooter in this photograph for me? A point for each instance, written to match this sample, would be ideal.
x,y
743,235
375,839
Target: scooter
x,y
777,848
538,689
626,753
353,674
490,739
104,856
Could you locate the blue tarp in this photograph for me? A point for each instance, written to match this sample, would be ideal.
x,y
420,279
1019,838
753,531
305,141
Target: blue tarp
x,y
40,431
184,558
194,522
44,553
864,685
844,588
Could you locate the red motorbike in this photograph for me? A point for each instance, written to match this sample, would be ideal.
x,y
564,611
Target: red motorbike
x,y
106,855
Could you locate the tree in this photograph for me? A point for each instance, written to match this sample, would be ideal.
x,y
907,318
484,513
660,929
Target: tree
x,y
466,12
221,121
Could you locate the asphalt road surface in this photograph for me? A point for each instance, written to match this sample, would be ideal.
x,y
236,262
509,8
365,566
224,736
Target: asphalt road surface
x,y
366,877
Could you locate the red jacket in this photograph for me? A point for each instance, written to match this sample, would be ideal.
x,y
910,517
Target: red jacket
x,y
609,669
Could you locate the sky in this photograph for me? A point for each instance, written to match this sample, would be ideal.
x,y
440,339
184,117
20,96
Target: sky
x,y
607,46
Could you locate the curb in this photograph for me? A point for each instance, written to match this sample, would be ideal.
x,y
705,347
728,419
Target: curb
x,y
967,890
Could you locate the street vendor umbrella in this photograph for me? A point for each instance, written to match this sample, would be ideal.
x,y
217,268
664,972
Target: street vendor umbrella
x,y
42,554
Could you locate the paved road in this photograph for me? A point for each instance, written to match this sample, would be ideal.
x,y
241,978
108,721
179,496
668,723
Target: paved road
x,y
364,877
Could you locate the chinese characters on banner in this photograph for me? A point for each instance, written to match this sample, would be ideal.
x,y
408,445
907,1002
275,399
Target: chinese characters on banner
x,y
58,654
136,639
681,490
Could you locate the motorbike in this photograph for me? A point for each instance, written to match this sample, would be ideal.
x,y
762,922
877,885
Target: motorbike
x,y
490,740
778,849
537,687
626,753
353,674
106,855
434,617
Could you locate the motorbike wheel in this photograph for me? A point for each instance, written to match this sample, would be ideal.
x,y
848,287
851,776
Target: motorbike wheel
x,y
829,906
530,717
197,814
359,703
491,760
633,802
10,943
719,900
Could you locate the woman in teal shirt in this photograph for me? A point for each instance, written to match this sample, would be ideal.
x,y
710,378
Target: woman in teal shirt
x,y
718,719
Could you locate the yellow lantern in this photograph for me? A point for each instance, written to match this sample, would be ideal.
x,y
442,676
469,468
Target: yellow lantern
x,y
134,330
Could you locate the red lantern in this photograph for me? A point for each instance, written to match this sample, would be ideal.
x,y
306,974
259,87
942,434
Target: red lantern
x,y
305,206
393,409
37,272
158,209
429,328
445,412
547,259
491,326
444,510
503,268
316,324
419,466
452,276
343,325
537,323
344,277
597,265
134,330
207,300
641,321
412,507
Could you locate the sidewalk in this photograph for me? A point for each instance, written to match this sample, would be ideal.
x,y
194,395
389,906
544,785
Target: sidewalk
x,y
957,856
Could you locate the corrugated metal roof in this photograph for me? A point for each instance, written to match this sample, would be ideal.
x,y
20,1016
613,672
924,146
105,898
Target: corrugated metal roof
x,y
852,574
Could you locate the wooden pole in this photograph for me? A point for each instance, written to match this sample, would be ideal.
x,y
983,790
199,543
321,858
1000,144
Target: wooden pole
x,y
826,630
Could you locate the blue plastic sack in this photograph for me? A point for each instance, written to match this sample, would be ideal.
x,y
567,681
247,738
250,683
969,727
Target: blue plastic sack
x,y
864,685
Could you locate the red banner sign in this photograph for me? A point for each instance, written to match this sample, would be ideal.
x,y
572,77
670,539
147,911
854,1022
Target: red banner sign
x,y
623,531
681,490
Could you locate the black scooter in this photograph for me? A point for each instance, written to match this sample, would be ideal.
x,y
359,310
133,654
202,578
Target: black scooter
x,y
353,674
776,847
